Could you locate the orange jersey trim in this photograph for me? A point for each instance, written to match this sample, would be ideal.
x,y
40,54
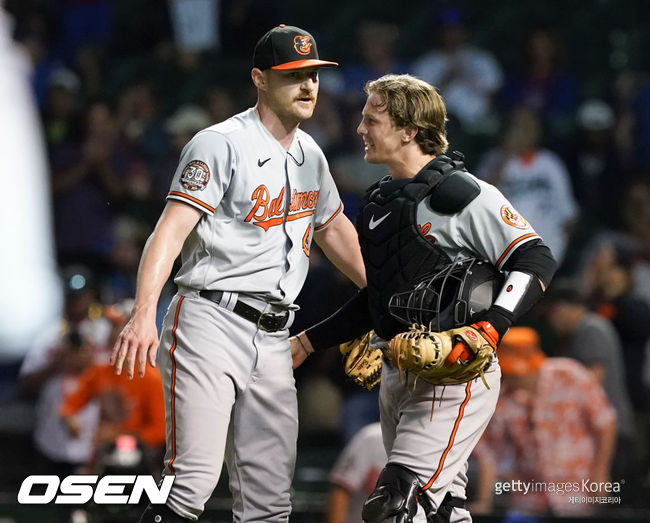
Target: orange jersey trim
x,y
173,386
192,199
280,220
322,226
305,241
513,245
461,411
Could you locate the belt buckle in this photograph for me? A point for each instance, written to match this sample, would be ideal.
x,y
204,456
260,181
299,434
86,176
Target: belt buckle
x,y
273,317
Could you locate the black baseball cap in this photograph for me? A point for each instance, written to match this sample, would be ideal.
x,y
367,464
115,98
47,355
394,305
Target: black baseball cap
x,y
287,47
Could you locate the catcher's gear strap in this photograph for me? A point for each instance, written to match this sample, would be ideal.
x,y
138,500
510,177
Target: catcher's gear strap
x,y
443,515
394,498
454,193
348,322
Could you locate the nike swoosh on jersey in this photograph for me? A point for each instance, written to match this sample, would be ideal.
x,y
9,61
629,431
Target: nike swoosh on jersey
x,y
374,223
260,162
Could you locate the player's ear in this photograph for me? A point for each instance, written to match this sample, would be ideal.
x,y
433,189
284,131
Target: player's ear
x,y
259,78
408,133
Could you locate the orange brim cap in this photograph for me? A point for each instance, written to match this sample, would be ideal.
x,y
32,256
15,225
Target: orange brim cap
x,y
301,64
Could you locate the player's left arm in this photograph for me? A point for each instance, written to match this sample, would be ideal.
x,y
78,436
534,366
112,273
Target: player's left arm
x,y
495,230
340,243
530,269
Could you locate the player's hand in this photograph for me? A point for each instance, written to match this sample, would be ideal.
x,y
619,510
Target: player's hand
x,y
299,351
136,344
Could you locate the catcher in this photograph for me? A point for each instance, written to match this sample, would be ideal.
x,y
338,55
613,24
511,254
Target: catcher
x,y
450,265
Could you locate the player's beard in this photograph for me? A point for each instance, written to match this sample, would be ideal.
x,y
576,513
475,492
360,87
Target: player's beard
x,y
295,111
301,108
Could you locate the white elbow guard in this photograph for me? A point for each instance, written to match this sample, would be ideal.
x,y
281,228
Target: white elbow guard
x,y
519,293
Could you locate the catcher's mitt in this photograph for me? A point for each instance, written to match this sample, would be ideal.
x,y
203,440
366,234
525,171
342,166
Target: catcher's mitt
x,y
445,358
361,362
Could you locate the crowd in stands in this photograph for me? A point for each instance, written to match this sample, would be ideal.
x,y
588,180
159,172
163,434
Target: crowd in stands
x,y
122,86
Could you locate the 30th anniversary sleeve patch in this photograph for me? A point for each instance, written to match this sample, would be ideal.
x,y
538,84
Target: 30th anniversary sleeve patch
x,y
512,217
195,176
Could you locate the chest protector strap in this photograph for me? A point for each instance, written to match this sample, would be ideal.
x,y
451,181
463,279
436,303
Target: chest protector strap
x,y
395,253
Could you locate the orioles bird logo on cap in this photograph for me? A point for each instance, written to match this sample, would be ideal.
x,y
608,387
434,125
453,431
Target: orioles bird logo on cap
x,y
302,44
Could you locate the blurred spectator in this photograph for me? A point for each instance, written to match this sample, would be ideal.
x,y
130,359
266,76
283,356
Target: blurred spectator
x,y
375,44
553,425
609,286
195,24
593,164
632,236
243,20
139,122
184,123
219,103
88,63
633,128
85,24
81,314
636,214
48,372
58,451
592,340
35,33
91,181
326,125
355,474
466,76
127,407
129,237
543,84
535,180
61,108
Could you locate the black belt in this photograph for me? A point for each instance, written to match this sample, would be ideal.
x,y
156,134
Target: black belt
x,y
267,321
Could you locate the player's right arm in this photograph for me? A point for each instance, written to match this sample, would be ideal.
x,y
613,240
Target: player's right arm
x,y
138,341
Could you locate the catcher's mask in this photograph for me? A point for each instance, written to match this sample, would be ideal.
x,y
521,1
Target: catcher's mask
x,y
452,297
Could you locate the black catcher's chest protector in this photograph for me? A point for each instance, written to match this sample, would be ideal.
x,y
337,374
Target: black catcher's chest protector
x,y
395,253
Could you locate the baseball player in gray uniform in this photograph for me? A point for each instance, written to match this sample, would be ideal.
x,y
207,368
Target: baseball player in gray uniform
x,y
248,197
423,219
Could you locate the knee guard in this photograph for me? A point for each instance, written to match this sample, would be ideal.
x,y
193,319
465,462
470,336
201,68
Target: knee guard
x,y
161,514
394,499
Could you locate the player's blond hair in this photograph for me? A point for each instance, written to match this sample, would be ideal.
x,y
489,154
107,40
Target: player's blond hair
x,y
411,102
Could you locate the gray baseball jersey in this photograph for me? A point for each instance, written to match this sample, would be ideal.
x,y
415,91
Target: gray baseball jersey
x,y
437,450
489,227
229,386
262,205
